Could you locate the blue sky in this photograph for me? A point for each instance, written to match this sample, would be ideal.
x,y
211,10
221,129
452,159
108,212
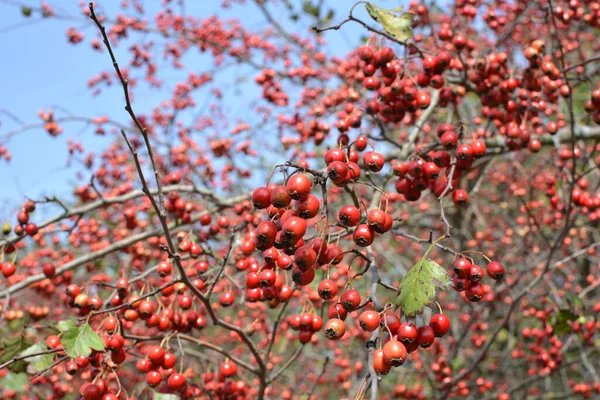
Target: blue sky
x,y
41,70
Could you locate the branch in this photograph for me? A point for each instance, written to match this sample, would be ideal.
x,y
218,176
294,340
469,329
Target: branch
x,y
314,387
220,350
285,366
159,208
369,28
20,358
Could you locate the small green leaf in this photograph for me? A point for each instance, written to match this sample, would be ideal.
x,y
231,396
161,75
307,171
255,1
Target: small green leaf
x,y
79,341
417,288
309,8
11,347
16,382
39,363
560,321
26,11
399,26
574,301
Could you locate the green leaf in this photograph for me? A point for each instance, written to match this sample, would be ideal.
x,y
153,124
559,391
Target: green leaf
x,y
560,321
39,363
399,26
26,11
309,8
417,288
574,301
79,341
11,347
65,325
16,382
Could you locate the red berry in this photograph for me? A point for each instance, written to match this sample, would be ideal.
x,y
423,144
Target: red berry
x,y
350,300
176,381
426,336
495,270
335,329
153,378
407,333
440,323
369,320
349,216
228,369
298,186
394,353
363,235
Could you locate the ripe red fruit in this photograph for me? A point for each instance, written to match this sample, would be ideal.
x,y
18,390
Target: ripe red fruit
x,y
366,53
153,378
308,206
495,270
353,171
337,311
440,323
22,217
464,152
164,268
407,333
228,369
31,229
52,342
460,197
376,217
431,170
475,273
361,143
305,258
226,298
169,361
294,229
265,234
350,299
156,354
327,289
303,278
478,148
71,367
374,161
475,292
462,267
394,353
349,216
8,269
92,392
335,154
298,186
176,381
363,235
423,100
426,336
390,321
280,197
369,320
334,255
380,366
335,329
337,171
267,277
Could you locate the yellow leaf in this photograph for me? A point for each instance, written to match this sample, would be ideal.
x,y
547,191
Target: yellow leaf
x,y
398,26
